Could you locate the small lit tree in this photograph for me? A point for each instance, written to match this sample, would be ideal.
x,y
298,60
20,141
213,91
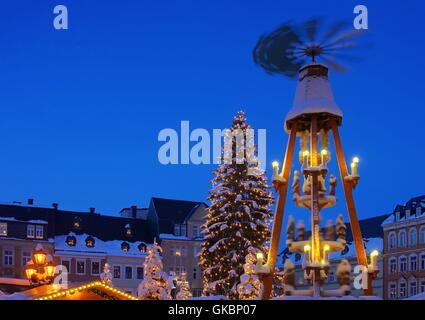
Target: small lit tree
x,y
184,291
154,285
250,286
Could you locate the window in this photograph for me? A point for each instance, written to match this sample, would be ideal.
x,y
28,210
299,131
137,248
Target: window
x,y
81,266
194,273
142,247
422,288
393,265
413,263
128,272
8,257
71,241
413,288
402,238
39,232
422,261
90,242
128,231
77,223
403,264
422,235
177,230
183,251
139,272
95,267
183,230
393,241
402,292
30,231
125,246
3,229
117,272
195,251
331,276
412,237
26,256
67,264
393,291
195,231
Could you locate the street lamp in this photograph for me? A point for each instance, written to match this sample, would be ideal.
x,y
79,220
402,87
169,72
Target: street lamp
x,y
41,269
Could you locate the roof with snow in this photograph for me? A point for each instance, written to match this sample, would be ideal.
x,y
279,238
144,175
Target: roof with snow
x,y
171,212
414,208
61,222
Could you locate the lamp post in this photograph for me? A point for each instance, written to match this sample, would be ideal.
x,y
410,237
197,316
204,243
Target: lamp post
x,y
41,269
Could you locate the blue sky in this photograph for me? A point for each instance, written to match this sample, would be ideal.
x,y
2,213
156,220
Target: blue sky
x,y
80,110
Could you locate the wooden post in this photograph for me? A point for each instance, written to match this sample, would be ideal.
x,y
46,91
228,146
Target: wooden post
x,y
278,217
348,190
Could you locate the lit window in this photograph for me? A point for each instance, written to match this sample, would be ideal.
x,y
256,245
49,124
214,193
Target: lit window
x,y
3,229
8,256
142,247
30,231
117,272
71,241
39,232
128,231
81,267
95,267
128,272
125,247
77,223
90,242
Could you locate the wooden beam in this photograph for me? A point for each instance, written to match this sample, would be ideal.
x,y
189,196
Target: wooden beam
x,y
348,190
279,213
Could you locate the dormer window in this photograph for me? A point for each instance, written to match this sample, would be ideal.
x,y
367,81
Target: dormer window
x,y
71,241
77,223
125,247
142,248
177,230
128,231
90,242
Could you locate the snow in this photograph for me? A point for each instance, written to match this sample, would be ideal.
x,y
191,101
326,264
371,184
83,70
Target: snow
x,y
420,296
26,221
313,95
389,220
172,237
101,248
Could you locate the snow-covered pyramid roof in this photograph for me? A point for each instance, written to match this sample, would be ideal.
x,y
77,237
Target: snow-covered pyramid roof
x,y
313,94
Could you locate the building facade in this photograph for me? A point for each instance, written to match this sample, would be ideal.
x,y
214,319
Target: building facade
x,y
179,227
404,250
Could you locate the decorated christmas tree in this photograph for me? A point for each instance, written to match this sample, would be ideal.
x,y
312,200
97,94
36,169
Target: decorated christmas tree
x,y
250,286
239,215
184,290
154,285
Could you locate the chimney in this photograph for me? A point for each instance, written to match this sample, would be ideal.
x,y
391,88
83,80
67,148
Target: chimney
x,y
30,201
134,211
55,206
92,210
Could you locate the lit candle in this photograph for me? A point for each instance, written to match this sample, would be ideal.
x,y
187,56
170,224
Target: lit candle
x,y
275,165
326,249
324,154
374,259
306,154
354,167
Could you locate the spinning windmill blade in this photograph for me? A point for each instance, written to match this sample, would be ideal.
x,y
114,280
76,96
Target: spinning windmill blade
x,y
290,46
